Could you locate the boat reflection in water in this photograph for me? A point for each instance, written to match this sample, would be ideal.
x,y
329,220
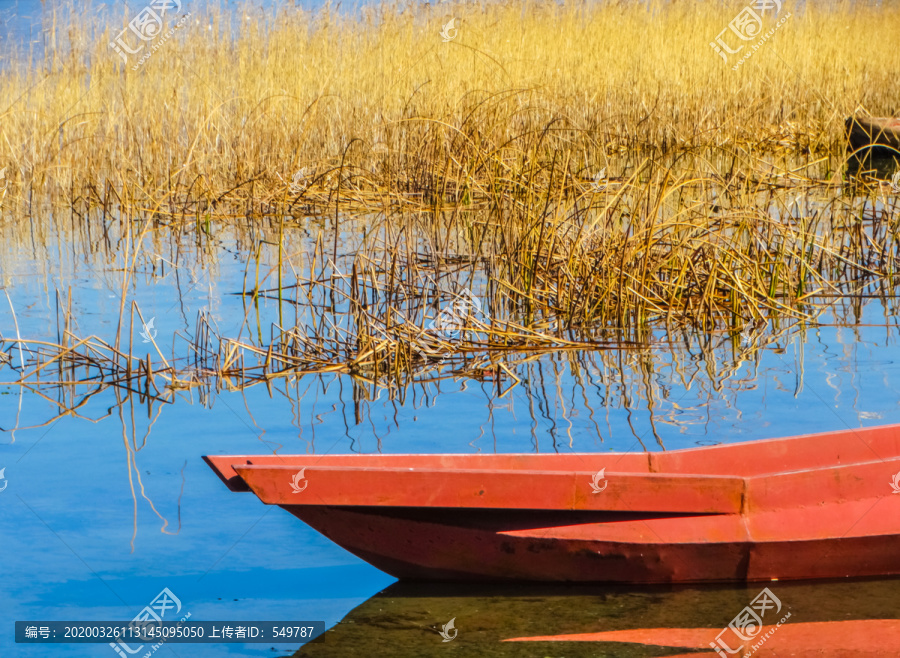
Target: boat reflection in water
x,y
823,619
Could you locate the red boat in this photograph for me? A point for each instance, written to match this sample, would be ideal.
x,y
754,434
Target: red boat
x,y
816,506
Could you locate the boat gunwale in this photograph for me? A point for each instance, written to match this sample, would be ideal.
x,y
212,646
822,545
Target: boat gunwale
x,y
430,487
223,465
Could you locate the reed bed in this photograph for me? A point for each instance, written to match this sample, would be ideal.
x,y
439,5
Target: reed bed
x,y
73,374
588,170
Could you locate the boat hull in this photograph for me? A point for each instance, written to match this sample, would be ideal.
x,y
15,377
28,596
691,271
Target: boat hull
x,y
813,507
410,547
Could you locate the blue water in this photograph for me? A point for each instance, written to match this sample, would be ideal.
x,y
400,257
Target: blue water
x,y
105,507
101,511
21,20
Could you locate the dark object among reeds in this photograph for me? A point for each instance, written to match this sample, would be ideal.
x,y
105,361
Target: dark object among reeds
x,y
881,133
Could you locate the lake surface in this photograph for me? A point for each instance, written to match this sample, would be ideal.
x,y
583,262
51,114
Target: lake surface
x,y
105,508
107,505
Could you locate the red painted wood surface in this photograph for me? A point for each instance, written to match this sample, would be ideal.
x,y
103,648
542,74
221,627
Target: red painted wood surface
x,y
817,506
494,489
